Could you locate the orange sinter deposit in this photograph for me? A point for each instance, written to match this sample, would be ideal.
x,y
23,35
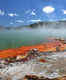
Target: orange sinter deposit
x,y
57,45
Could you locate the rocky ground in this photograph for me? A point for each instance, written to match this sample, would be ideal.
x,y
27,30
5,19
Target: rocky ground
x,y
53,67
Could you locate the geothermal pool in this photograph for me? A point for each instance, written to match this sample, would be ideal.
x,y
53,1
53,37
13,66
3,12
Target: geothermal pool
x,y
27,36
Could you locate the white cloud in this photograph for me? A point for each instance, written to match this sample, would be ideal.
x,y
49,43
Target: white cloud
x,y
2,13
35,20
19,21
63,19
33,13
48,9
11,23
28,11
64,11
12,14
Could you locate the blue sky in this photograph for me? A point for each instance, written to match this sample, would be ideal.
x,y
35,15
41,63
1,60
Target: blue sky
x,y
23,12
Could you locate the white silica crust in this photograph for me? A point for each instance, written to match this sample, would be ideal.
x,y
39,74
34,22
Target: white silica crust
x,y
54,67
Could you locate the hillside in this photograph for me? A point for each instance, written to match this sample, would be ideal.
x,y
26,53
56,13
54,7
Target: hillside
x,y
55,25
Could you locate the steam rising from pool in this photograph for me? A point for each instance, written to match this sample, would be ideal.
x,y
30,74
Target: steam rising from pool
x,y
36,34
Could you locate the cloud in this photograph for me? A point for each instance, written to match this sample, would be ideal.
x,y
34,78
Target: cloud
x,y
64,11
35,20
28,11
48,9
12,14
2,13
19,21
33,13
11,23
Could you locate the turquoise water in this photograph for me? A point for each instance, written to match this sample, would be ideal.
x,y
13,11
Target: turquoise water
x,y
17,38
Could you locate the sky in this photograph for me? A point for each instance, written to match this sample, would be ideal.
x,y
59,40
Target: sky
x,y
25,12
